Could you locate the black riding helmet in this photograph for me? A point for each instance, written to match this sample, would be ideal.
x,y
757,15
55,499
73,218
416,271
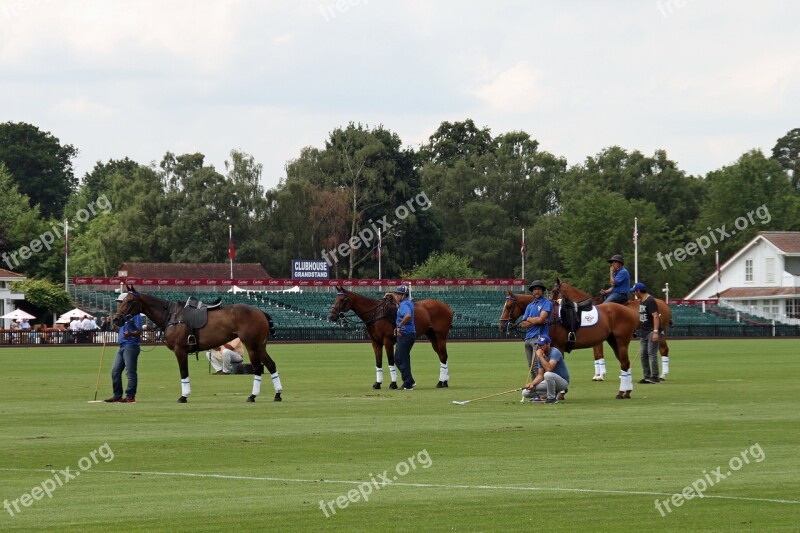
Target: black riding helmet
x,y
537,283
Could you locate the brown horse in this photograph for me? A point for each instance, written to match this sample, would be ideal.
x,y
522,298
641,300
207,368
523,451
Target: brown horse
x,y
226,323
665,316
431,318
615,325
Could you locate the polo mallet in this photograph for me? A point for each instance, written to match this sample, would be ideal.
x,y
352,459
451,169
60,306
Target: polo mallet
x,y
465,402
528,376
100,369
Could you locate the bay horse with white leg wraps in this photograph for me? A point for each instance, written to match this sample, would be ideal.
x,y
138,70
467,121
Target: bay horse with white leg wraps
x,y
223,324
616,325
432,318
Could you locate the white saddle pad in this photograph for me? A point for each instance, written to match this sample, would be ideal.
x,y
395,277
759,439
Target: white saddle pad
x,y
590,318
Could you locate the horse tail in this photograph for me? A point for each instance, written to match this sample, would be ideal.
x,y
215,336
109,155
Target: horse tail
x,y
271,324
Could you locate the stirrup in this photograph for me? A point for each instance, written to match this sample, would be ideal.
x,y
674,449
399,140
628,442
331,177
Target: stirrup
x,y
571,336
191,340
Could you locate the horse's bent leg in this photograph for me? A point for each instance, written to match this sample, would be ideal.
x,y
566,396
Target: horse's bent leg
x,y
389,347
599,363
440,347
378,349
664,349
183,366
263,359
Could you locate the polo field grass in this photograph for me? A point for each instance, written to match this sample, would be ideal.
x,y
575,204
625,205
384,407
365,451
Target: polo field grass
x,y
338,455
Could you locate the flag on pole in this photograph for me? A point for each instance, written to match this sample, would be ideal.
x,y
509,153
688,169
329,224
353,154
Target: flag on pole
x,y
378,249
719,270
635,234
66,238
523,248
231,247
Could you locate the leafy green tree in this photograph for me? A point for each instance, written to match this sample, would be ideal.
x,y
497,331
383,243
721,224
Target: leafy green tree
x,y
444,265
787,153
47,297
40,164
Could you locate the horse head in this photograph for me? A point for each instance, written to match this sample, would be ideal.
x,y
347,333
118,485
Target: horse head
x,y
341,305
555,292
512,310
129,306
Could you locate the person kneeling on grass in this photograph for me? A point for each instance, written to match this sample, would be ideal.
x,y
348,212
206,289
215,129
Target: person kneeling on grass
x,y
223,357
552,375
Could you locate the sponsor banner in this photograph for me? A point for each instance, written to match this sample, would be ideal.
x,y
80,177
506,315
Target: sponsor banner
x,y
265,284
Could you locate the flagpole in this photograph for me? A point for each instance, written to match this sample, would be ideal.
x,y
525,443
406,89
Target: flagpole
x,y
380,254
230,240
636,249
719,276
522,251
66,256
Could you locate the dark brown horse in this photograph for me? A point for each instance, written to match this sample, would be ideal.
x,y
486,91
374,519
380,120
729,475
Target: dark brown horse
x,y
616,325
431,318
226,323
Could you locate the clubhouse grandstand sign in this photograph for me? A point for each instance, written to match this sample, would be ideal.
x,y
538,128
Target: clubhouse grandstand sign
x,y
309,269
271,283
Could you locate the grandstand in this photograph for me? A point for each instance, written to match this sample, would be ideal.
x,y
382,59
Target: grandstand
x,y
303,315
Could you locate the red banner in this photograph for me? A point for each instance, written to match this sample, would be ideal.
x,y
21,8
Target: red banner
x,y
262,284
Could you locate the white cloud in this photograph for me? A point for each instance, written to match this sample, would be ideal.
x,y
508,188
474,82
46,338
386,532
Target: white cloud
x,y
519,89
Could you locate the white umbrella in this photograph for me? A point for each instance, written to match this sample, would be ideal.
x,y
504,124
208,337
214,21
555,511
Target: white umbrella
x,y
74,313
18,314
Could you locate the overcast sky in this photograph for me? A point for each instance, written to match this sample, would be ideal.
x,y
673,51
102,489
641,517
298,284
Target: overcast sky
x,y
704,80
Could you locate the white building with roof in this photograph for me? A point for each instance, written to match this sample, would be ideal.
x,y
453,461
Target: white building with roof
x,y
762,278
7,298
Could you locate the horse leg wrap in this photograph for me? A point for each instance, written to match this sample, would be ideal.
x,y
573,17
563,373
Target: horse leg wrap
x,y
443,374
276,382
256,385
602,362
625,381
378,375
596,370
664,365
393,373
186,388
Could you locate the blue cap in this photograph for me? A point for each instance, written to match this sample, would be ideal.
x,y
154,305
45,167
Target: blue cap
x,y
541,340
401,289
639,286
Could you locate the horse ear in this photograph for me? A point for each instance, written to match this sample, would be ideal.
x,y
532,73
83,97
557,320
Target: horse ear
x,y
509,292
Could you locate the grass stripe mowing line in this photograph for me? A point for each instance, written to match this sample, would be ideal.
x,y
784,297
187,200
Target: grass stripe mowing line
x,y
402,484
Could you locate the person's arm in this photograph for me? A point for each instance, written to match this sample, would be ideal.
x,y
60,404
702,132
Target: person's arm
x,y
532,321
656,322
403,322
547,364
538,379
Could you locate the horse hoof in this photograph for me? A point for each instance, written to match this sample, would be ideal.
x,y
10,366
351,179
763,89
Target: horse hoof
x,y
376,385
620,396
182,399
277,397
393,385
628,395
442,385
251,398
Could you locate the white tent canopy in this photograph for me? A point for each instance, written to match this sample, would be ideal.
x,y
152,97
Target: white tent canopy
x,y
73,313
18,314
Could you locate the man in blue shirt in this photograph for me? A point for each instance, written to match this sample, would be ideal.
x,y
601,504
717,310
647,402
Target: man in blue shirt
x,y
620,280
552,377
536,321
127,358
406,334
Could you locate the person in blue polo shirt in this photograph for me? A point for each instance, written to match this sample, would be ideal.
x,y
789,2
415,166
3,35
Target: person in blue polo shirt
x,y
620,280
535,320
406,334
552,376
127,358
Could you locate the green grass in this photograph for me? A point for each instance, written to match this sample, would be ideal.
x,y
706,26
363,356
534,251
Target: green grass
x,y
496,465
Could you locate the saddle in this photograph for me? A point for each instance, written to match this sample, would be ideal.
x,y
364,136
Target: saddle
x,y
195,316
570,316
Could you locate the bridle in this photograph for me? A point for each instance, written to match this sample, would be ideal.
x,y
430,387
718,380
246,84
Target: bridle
x,y
347,322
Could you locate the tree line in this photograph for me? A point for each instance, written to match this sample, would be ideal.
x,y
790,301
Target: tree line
x,y
482,190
